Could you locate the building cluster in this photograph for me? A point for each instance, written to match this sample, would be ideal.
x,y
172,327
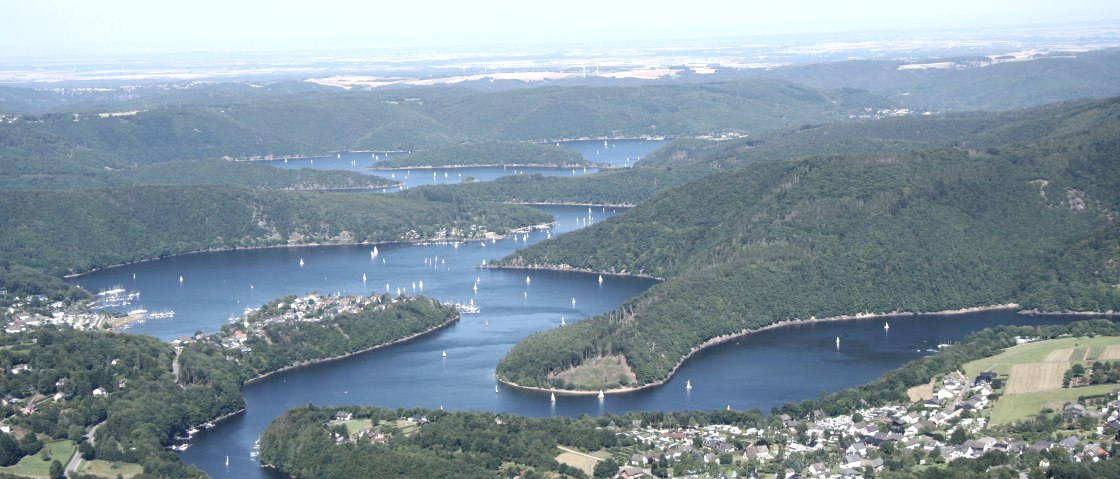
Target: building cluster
x,y
851,446
24,313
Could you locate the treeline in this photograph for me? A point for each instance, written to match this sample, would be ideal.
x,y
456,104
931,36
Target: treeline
x,y
827,236
61,232
302,443
490,153
293,342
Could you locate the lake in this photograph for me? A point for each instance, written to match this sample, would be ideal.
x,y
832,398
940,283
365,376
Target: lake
x,y
758,371
623,153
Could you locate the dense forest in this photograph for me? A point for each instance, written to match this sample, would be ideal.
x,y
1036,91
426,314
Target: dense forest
x,y
302,443
376,323
491,153
71,231
821,236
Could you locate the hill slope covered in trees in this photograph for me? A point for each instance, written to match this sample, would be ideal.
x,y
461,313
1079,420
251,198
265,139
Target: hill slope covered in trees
x,y
944,228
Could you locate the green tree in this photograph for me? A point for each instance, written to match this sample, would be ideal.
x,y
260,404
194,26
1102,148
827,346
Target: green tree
x,y
56,471
607,468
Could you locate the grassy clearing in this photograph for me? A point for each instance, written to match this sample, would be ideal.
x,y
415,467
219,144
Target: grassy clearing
x,y
920,393
353,426
583,463
1059,355
1011,408
127,470
1028,378
35,466
599,373
1039,352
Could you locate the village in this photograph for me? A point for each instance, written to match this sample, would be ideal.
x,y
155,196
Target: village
x,y
24,313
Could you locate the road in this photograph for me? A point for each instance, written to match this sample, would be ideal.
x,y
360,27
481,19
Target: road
x,y
72,466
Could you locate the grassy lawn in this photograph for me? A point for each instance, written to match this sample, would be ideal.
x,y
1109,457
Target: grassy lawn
x,y
352,427
1011,408
35,466
110,469
1037,352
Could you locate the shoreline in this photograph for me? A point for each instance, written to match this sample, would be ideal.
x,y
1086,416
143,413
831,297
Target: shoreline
x,y
313,362
780,324
601,166
572,270
520,229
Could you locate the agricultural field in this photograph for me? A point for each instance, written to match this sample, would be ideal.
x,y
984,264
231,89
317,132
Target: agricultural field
x,y
110,469
1033,373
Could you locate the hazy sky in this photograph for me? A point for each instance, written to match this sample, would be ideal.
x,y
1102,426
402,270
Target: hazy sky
x,y
37,27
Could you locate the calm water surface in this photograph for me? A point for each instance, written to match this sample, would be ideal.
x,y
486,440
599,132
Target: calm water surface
x,y
759,371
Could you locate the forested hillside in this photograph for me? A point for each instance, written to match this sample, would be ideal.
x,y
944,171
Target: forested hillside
x,y
76,230
821,236
491,153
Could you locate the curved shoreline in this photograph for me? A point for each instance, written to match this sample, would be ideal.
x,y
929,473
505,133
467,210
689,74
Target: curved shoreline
x,y
780,324
312,362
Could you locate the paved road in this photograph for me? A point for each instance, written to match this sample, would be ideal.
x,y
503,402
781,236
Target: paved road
x,y
72,466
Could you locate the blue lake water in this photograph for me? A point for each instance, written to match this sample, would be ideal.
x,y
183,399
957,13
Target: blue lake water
x,y
616,152
758,371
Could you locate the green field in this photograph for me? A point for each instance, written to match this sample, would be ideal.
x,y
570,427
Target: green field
x,y
35,466
352,427
1037,352
1012,408
110,469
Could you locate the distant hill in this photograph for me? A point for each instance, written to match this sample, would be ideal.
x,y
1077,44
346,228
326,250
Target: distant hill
x,y
1031,221
491,153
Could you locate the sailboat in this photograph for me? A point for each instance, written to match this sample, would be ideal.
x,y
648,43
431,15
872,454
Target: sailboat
x,y
573,301
886,326
601,395
838,342
444,354
553,398
562,322
180,279
363,277
301,262
227,461
600,279
133,275
421,285
688,384
495,388
375,252
527,280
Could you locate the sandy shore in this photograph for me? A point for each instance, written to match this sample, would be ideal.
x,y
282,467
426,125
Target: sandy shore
x,y
731,336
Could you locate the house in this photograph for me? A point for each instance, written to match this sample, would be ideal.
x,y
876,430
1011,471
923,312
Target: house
x,y
99,392
851,461
343,416
637,460
818,469
1042,445
876,464
1073,411
631,472
1069,443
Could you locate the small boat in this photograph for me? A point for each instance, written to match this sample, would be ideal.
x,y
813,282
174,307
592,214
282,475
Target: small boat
x,y
301,262
562,322
573,301
688,384
180,279
444,354
886,326
487,323
728,407
528,280
421,283
363,277
601,395
838,341
553,398
227,461
133,275
495,388
375,252
600,279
